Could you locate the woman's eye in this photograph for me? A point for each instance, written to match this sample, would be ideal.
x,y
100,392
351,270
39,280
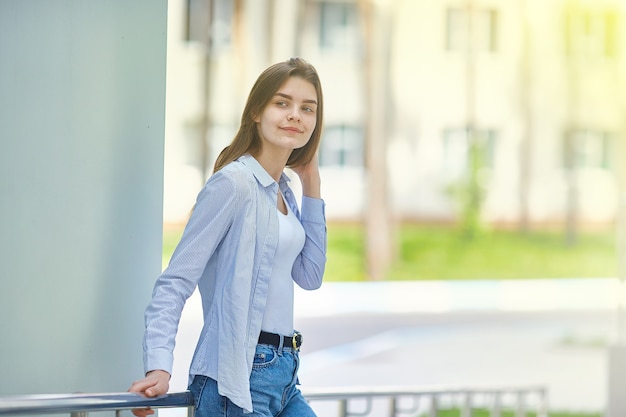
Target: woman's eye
x,y
281,103
309,109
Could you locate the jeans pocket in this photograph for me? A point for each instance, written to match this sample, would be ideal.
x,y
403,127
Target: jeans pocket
x,y
196,388
264,357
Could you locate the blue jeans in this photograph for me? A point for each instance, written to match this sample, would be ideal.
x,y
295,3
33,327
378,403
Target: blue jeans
x,y
272,385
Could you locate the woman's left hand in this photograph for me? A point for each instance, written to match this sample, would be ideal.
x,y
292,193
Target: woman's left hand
x,y
154,384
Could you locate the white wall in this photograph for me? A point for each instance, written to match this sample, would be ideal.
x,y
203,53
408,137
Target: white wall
x,y
82,107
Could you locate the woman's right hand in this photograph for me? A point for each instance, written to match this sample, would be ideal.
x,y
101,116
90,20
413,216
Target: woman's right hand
x,y
309,174
155,383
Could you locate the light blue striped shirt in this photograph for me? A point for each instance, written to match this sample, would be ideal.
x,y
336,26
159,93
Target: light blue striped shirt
x,y
227,251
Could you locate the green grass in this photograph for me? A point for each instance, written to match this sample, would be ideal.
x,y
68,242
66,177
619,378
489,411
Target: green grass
x,y
428,252
439,253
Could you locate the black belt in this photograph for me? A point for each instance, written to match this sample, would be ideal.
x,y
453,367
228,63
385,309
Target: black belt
x,y
273,339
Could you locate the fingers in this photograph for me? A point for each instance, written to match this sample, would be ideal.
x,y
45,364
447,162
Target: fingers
x,y
142,412
142,385
156,390
154,384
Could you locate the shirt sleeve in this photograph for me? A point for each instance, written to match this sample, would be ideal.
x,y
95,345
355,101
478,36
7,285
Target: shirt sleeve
x,y
308,268
211,217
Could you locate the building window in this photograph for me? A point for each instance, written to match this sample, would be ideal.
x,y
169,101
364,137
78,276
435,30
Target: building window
x,y
342,146
338,30
592,34
484,27
457,150
210,22
587,149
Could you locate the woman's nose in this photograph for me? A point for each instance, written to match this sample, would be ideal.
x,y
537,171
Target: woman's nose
x,y
294,115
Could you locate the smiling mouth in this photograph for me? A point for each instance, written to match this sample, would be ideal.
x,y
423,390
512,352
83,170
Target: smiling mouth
x,y
292,129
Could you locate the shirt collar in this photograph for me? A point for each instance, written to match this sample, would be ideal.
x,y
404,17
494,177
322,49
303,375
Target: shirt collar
x,y
260,173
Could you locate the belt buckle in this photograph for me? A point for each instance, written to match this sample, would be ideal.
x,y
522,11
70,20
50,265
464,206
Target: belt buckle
x,y
296,340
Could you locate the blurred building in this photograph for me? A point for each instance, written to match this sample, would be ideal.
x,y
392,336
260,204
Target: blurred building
x,y
537,88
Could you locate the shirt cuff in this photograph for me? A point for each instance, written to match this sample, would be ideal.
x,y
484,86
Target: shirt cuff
x,y
158,359
313,210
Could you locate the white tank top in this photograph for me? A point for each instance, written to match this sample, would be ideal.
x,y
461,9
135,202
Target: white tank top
x,y
278,316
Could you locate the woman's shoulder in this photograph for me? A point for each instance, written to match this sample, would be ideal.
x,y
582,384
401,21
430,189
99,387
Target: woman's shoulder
x,y
234,176
236,172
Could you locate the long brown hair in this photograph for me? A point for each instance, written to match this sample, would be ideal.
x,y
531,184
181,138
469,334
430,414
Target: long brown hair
x,y
247,139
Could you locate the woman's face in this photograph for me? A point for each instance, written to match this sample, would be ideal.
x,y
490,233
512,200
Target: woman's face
x,y
289,119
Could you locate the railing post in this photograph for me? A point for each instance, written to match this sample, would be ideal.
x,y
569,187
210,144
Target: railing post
x,y
521,405
393,406
434,407
79,414
467,406
497,406
343,408
543,403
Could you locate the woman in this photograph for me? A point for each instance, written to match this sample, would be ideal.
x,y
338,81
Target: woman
x,y
244,246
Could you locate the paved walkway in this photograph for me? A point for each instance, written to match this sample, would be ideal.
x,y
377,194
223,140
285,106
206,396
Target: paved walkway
x,y
503,332
450,296
436,347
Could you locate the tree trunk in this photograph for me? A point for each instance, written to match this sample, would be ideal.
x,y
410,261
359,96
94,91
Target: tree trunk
x,y
377,216
205,124
472,208
526,146
621,227
573,79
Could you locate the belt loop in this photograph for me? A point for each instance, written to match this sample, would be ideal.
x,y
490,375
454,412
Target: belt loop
x,y
281,343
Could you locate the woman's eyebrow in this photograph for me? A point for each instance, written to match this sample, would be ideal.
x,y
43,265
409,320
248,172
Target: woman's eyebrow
x,y
287,96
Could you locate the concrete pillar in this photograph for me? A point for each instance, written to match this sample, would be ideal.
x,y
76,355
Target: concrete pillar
x,y
82,103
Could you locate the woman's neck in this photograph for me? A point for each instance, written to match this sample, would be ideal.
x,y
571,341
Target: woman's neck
x,y
272,163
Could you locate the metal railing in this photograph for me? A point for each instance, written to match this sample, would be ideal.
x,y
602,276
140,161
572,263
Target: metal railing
x,y
79,405
430,401
344,402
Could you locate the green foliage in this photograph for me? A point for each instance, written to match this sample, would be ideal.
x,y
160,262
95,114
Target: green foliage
x,y
436,253
469,191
